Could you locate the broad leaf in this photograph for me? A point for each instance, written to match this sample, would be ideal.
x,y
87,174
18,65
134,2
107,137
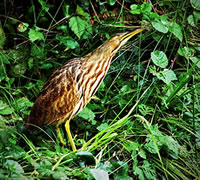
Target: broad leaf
x,y
44,5
35,35
149,170
146,7
16,167
135,9
102,126
87,114
140,173
85,158
68,41
5,109
159,58
18,70
159,26
176,30
187,52
81,12
99,174
196,61
167,76
79,26
196,15
195,4
111,2
190,20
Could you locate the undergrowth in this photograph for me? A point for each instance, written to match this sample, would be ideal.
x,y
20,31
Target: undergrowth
x,y
143,122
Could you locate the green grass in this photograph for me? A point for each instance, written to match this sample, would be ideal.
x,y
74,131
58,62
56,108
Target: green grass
x,y
144,121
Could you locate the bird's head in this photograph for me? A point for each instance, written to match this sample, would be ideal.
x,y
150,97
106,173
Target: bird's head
x,y
110,47
120,39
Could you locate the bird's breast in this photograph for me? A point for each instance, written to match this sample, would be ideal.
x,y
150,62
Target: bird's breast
x,y
89,80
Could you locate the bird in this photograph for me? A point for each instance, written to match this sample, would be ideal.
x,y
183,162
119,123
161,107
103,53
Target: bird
x,y
69,89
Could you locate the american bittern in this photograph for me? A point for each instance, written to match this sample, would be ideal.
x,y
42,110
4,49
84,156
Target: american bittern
x,y
71,87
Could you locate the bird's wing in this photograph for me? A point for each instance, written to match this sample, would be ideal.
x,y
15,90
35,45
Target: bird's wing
x,y
58,97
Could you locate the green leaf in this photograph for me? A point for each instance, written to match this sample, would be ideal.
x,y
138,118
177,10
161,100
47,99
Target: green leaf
x,y
187,52
190,20
183,81
171,144
18,70
123,170
135,9
164,20
150,145
149,171
37,52
35,35
146,7
176,30
43,164
79,26
122,177
196,60
99,174
159,26
159,58
196,15
60,175
140,173
44,65
145,109
72,44
63,28
102,126
142,154
167,76
44,5
155,16
84,158
24,102
29,86
30,63
23,105
5,109
130,146
13,166
68,41
87,114
195,4
125,88
102,87
81,12
111,2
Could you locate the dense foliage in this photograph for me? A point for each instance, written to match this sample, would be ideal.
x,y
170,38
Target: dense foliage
x,y
143,122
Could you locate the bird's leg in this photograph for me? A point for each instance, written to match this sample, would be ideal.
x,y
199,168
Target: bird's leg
x,y
67,128
60,136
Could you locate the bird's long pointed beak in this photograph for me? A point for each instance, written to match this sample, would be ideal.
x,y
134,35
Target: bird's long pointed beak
x,y
126,36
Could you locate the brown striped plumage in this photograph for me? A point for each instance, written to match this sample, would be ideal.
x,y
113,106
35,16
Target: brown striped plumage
x,y
71,87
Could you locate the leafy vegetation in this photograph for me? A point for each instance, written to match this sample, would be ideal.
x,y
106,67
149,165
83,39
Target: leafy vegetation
x,y
143,122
